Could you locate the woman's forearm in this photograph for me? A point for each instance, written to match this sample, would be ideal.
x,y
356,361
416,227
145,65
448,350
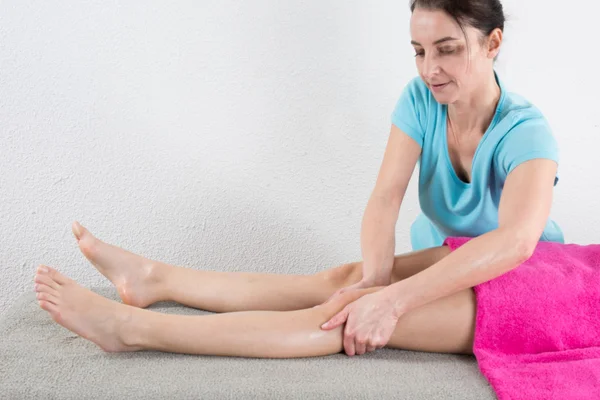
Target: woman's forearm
x,y
378,238
481,259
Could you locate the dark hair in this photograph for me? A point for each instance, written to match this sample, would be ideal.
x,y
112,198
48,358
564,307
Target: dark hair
x,y
483,15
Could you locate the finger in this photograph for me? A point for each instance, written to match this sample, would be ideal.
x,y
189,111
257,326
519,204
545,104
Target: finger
x,y
360,347
378,342
336,321
330,297
371,348
349,344
328,325
336,294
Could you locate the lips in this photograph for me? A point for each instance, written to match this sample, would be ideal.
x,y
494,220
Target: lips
x,y
440,87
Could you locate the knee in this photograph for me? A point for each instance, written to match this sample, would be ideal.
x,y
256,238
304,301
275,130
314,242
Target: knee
x,y
345,274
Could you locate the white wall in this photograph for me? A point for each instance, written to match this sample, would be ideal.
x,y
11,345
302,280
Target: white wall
x,y
241,135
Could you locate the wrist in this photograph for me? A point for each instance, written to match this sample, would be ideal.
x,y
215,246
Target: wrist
x,y
396,297
377,279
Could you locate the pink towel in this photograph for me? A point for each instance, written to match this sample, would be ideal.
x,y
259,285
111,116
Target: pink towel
x,y
537,334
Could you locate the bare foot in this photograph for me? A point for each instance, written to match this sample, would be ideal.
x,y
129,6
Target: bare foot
x,y
105,322
136,278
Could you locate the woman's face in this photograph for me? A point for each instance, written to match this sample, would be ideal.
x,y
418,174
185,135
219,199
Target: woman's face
x,y
442,55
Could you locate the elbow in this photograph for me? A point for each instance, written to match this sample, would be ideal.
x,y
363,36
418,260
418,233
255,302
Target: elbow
x,y
524,249
520,247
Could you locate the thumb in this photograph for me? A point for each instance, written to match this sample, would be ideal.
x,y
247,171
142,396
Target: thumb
x,y
334,295
336,321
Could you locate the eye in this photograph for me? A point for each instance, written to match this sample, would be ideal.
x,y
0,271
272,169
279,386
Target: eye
x,y
446,50
419,54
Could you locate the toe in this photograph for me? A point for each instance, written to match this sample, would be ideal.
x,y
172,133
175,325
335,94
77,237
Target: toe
x,y
51,308
53,274
77,230
47,297
42,278
43,288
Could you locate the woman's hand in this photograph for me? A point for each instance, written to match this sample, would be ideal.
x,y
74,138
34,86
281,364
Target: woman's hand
x,y
371,320
363,284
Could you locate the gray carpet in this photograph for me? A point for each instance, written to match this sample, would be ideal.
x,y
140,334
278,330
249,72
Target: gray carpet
x,y
40,359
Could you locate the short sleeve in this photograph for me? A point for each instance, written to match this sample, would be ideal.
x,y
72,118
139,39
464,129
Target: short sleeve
x,y
528,139
410,112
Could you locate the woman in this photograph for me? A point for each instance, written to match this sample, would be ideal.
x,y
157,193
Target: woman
x,y
488,164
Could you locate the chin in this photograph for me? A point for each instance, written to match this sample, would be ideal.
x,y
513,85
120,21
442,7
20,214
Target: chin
x,y
445,98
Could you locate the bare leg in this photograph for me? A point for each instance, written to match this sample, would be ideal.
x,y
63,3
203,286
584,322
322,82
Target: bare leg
x,y
266,334
141,281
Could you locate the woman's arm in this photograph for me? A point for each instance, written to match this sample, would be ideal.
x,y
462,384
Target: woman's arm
x,y
524,209
378,229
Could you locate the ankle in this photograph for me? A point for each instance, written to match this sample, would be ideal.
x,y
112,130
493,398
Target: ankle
x,y
132,327
157,274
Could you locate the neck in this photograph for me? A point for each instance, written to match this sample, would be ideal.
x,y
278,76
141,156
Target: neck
x,y
475,113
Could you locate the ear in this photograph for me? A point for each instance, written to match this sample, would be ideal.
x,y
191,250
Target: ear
x,y
494,42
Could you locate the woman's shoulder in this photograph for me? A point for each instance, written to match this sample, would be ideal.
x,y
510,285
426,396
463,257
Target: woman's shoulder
x,y
518,109
520,120
412,111
522,134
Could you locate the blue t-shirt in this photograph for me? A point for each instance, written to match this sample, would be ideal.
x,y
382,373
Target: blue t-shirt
x,y
449,206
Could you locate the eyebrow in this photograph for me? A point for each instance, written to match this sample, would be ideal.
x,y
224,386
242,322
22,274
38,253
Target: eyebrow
x,y
447,38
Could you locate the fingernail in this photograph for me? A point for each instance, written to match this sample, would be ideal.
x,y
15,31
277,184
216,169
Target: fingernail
x,y
44,269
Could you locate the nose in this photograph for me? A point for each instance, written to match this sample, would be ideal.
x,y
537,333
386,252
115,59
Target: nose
x,y
431,66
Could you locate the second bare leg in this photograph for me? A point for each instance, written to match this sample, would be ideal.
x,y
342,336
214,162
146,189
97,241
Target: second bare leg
x,y
245,291
141,282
